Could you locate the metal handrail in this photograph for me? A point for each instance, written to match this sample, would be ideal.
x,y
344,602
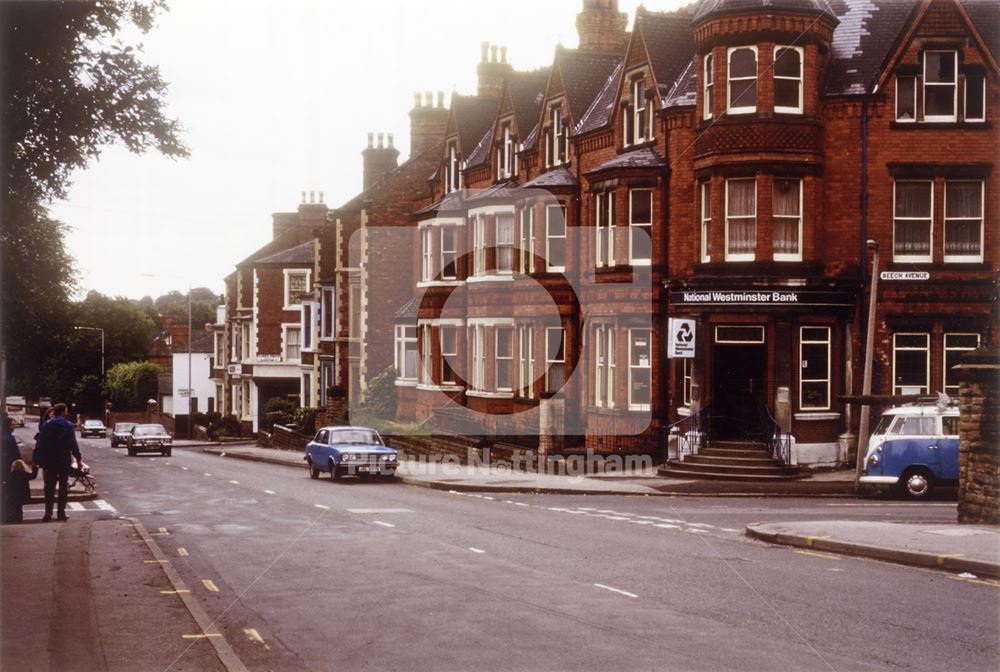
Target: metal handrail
x,y
780,439
688,439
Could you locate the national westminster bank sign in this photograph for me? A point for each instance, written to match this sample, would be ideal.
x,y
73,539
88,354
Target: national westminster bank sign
x,y
783,296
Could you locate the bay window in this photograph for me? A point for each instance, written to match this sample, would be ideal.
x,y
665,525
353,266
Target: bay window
x,y
555,238
426,354
708,78
604,221
788,79
505,244
308,325
448,336
505,153
427,254
912,220
527,239
453,170
293,343
705,192
555,358
604,366
975,97
742,80
477,336
963,220
449,253
787,220
406,352
556,138
526,361
328,310
906,98
640,227
478,246
504,359
741,219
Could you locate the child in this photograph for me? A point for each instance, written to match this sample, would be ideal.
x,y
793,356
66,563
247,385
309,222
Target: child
x,y
18,492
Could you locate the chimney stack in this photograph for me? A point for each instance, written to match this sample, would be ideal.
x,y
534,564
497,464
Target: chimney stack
x,y
378,161
602,27
492,70
427,122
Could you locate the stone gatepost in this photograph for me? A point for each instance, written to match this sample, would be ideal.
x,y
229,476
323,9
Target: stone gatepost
x,y
979,437
551,425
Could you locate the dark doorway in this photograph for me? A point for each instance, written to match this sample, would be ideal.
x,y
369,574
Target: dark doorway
x,y
739,383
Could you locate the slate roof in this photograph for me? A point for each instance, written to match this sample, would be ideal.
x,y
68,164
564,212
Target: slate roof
x,y
684,91
560,177
599,113
668,38
640,158
452,202
201,342
708,8
584,74
985,14
481,153
473,116
527,90
503,190
408,311
300,254
868,31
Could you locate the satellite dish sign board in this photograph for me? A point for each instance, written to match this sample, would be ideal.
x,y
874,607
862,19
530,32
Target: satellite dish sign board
x,y
681,340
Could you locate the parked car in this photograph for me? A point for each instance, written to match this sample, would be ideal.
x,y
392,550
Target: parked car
x,y
120,432
353,451
914,447
93,428
149,439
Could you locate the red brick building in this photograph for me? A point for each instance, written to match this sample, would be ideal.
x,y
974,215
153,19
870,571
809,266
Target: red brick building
x,y
538,266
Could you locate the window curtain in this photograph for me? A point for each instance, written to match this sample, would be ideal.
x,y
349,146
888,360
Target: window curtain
x,y
787,215
963,217
742,220
913,218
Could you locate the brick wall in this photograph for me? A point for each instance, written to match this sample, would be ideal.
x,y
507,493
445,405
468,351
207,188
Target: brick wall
x,y
979,450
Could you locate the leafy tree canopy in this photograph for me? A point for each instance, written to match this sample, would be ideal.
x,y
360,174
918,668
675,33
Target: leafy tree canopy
x,y
71,85
131,384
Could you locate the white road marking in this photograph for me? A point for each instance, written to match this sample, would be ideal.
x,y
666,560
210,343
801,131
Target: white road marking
x,y
103,506
476,550
380,510
695,530
667,526
75,506
728,529
270,492
615,590
235,482
379,522
320,506
185,468
207,474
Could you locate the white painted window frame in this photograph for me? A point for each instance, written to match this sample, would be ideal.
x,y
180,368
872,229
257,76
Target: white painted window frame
x,y
741,109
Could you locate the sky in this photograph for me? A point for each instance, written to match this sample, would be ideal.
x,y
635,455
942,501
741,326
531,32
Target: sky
x,y
276,98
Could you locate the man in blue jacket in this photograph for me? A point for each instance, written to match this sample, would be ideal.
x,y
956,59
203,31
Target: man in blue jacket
x,y
55,451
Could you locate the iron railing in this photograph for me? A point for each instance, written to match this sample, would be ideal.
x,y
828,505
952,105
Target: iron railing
x,y
688,434
779,439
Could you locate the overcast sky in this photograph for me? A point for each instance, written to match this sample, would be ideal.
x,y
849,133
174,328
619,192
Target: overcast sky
x,y
276,98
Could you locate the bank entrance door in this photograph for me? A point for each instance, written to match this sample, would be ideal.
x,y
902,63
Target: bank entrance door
x,y
739,383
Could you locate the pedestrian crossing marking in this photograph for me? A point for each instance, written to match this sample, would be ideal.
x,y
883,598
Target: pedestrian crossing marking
x,y
182,552
75,506
210,585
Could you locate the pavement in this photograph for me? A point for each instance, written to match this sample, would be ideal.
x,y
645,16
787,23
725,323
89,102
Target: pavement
x,y
971,550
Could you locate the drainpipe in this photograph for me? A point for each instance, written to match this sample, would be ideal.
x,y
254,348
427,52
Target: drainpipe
x,y
865,410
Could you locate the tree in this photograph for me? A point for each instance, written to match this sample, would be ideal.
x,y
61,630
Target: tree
x,y
70,86
203,304
131,384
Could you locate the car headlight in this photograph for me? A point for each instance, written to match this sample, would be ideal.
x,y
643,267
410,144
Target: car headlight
x,y
873,460
388,458
345,457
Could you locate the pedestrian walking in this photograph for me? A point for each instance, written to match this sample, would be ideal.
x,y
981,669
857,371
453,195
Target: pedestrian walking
x,y
55,453
11,454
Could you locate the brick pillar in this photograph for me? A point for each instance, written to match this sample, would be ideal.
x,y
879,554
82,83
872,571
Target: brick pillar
x,y
335,411
979,437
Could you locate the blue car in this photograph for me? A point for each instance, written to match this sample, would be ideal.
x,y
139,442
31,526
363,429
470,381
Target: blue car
x,y
350,451
914,448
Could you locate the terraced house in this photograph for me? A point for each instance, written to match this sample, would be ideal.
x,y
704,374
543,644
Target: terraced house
x,y
668,228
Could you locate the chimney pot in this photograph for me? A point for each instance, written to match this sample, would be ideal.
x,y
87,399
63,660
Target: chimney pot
x,y
390,141
321,197
493,53
370,136
485,46
428,98
440,99
503,54
303,197
312,196
380,137
416,99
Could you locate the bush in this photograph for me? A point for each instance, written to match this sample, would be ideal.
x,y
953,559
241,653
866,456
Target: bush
x,y
305,420
380,399
227,425
280,405
205,419
131,384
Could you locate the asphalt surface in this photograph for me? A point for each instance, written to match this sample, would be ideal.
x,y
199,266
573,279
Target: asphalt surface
x,y
295,574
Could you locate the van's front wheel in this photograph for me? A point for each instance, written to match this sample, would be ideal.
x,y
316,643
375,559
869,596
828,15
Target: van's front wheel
x,y
916,483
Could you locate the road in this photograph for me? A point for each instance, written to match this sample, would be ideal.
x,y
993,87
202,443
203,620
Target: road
x,y
299,574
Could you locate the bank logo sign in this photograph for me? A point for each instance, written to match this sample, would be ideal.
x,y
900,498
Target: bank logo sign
x,y
680,345
763,297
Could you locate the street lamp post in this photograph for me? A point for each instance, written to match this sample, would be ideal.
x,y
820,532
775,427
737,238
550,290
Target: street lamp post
x,y
866,384
190,391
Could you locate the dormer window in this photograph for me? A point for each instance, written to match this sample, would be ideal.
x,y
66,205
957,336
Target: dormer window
x,y
940,85
506,154
638,125
453,171
788,79
556,139
742,80
709,87
940,90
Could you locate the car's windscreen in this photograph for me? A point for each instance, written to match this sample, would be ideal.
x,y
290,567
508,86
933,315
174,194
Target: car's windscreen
x,y
356,436
914,425
124,426
883,424
93,423
148,430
